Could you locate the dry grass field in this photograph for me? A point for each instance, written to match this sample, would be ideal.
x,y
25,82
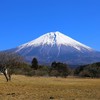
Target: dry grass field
x,y
46,88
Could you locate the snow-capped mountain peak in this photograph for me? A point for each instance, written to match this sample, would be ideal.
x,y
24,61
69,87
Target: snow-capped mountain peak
x,y
55,38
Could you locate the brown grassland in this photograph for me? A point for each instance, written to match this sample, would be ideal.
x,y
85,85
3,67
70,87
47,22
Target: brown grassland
x,y
44,88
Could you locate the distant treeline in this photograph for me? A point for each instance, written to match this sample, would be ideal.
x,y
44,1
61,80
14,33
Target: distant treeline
x,y
16,65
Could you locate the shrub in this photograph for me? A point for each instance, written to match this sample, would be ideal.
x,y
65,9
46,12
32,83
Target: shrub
x,y
59,69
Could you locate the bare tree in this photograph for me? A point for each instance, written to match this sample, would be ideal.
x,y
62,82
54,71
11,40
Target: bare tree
x,y
8,63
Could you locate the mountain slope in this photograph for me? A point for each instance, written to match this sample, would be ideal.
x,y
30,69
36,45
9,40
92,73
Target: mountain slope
x,y
55,46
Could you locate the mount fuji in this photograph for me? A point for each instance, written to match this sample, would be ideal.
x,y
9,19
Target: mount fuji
x,y
55,46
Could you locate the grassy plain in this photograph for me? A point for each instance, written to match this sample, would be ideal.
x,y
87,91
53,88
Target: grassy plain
x,y
46,88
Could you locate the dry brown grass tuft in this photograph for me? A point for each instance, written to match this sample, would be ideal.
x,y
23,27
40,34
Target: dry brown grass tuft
x,y
45,88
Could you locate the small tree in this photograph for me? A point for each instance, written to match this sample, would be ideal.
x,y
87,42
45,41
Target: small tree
x,y
11,61
34,64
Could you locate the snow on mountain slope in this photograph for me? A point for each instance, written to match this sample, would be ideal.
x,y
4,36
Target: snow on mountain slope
x,y
55,46
55,38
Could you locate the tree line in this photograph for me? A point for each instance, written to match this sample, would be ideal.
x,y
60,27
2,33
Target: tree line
x,y
16,65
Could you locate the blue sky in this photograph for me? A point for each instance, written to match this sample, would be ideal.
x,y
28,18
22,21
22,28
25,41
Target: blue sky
x,y
24,20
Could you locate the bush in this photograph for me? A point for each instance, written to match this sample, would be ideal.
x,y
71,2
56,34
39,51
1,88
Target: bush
x,y
42,71
92,70
54,73
59,69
